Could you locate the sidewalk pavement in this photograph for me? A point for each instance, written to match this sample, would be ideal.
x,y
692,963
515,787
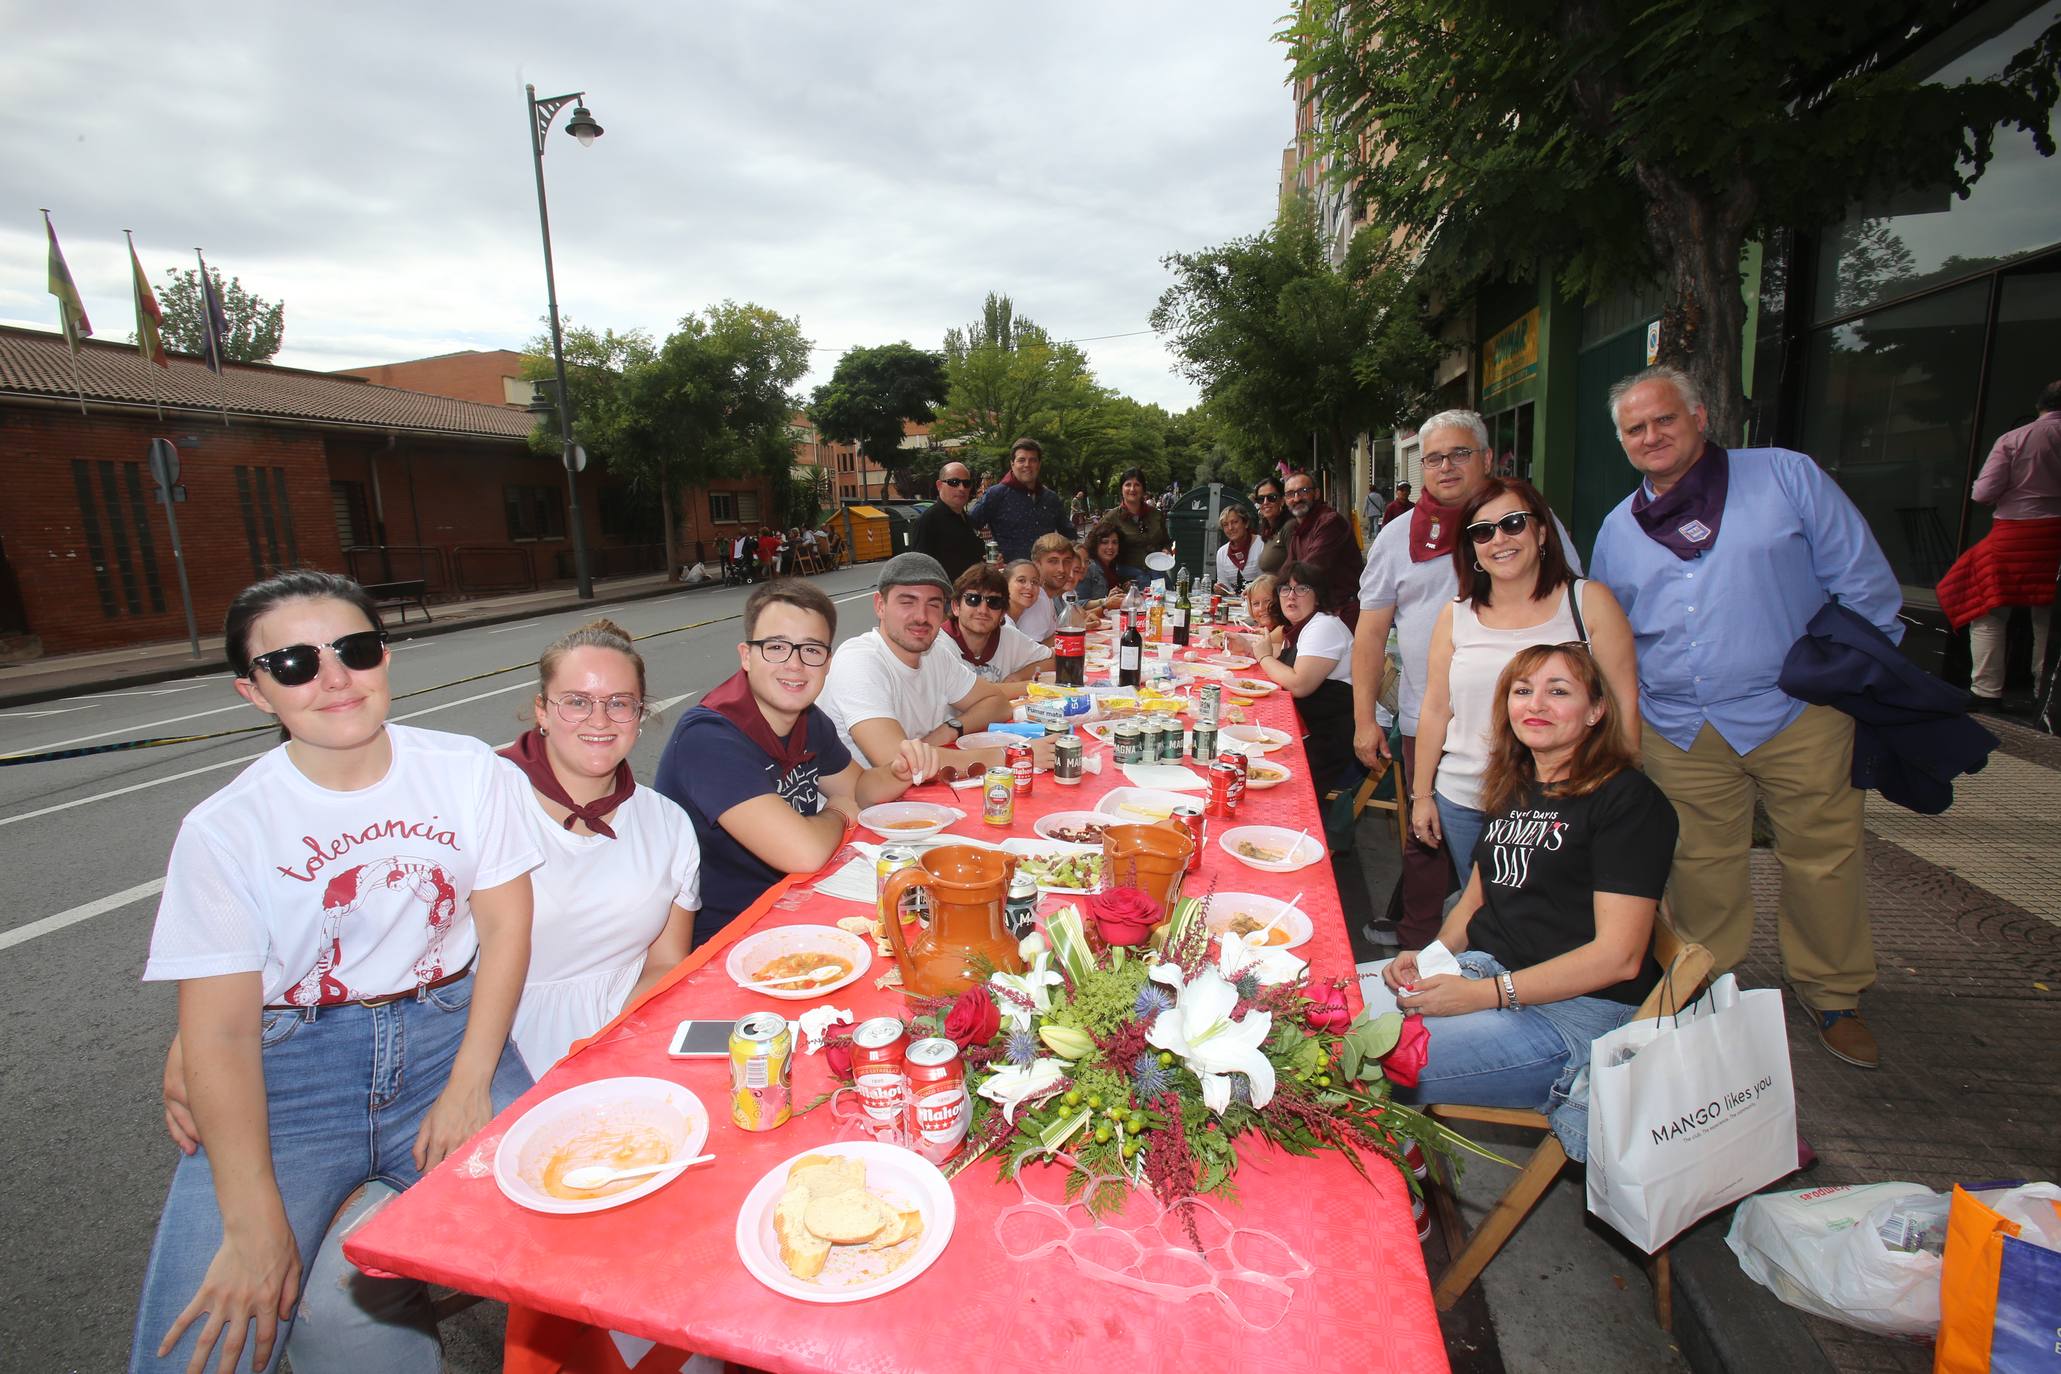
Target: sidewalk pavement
x,y
1967,1008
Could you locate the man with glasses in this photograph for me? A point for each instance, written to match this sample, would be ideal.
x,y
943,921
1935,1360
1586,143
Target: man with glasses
x,y
1408,580
1324,539
1019,508
760,769
886,688
1720,560
1276,525
943,531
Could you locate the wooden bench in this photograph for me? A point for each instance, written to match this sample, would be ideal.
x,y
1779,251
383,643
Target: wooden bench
x,y
403,594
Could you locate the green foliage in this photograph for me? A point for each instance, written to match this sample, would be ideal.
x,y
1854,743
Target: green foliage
x,y
803,498
1614,140
873,391
1008,378
256,326
1285,345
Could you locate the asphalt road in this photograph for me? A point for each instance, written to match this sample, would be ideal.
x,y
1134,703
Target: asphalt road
x,y
83,845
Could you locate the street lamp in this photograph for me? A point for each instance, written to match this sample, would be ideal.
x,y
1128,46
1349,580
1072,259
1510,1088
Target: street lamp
x,y
582,127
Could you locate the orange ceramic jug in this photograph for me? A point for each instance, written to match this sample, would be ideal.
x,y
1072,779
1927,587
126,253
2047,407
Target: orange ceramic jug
x,y
968,887
1151,858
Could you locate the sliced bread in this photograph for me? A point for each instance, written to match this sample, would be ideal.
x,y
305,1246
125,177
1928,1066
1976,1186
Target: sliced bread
x,y
801,1250
850,1217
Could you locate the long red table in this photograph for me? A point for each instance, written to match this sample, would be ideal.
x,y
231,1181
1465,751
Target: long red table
x,y
665,1267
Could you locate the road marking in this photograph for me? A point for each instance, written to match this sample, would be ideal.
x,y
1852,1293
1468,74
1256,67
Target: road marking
x,y
506,628
135,729
855,596
671,702
54,711
144,692
114,901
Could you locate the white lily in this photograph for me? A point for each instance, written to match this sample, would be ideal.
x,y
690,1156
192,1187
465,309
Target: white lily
x,y
1011,1086
1269,964
1199,1028
1032,987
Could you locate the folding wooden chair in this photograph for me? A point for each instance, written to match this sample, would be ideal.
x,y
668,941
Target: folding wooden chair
x,y
1684,969
1398,803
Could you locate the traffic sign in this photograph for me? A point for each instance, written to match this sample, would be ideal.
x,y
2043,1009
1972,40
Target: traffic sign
x,y
576,458
164,462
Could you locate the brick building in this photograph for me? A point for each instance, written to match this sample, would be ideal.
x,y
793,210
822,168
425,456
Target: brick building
x,y
492,377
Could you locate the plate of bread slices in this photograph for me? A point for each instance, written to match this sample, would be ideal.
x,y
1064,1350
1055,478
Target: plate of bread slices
x,y
845,1221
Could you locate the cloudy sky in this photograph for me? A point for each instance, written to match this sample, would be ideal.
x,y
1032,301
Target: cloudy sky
x,y
873,170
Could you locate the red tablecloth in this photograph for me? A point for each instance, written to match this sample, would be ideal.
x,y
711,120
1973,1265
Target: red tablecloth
x,y
666,1267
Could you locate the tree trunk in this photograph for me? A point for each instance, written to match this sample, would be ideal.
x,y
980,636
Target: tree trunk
x,y
1699,238
665,505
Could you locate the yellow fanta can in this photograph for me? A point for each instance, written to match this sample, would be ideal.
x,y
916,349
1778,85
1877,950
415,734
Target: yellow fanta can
x,y
761,1071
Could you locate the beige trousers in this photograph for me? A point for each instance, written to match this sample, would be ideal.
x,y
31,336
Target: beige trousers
x,y
1804,778
1986,643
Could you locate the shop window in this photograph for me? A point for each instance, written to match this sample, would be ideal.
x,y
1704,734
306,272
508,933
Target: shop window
x,y
534,512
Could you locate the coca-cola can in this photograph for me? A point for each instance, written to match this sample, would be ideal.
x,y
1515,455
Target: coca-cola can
x,y
1190,819
939,1109
1223,778
1023,764
1237,759
879,1047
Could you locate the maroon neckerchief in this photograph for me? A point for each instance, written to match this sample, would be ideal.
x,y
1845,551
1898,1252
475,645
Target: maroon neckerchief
x,y
1684,519
527,753
1433,530
734,702
1009,480
1238,555
959,638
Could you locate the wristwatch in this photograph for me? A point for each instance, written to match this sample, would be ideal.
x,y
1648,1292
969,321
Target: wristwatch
x,y
958,726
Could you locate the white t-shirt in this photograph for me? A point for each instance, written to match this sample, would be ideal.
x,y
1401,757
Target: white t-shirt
x,y
1229,574
867,682
1480,654
600,903
335,896
1041,619
1324,636
1014,651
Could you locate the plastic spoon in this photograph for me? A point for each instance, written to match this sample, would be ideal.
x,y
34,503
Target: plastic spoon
x,y
1259,937
590,1176
823,974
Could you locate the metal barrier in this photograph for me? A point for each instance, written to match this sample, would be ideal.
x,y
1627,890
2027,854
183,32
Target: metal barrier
x,y
478,568
367,563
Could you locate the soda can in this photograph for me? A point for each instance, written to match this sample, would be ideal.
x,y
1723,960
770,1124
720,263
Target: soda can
x,y
1130,741
998,796
1067,759
1222,778
1421,1210
878,1049
893,859
1023,764
1211,706
1237,759
1203,745
1020,913
1190,819
761,1071
939,1109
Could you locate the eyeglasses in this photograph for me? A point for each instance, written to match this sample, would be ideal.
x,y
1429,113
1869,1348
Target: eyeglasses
x,y
1451,458
1481,531
296,664
813,653
1294,589
992,602
955,481
575,707
1294,492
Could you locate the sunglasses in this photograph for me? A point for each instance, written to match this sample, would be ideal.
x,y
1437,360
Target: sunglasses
x,y
956,481
1481,531
1263,498
296,664
993,603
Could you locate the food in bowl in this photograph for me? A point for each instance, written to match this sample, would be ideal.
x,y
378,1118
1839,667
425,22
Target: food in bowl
x,y
611,1147
1266,772
1259,853
1145,811
913,823
1085,833
793,966
1082,872
1244,924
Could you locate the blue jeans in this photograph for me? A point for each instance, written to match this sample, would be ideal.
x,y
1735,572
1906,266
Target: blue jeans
x,y
1462,826
1536,1056
346,1089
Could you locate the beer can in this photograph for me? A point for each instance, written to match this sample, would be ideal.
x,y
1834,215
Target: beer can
x,y
939,1109
1149,732
998,796
1020,913
893,859
1130,741
1067,759
878,1049
761,1071
1190,819
1223,777
1211,704
1023,764
1238,759
1173,739
1203,743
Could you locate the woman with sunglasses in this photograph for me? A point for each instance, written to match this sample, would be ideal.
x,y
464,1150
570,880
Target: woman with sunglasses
x,y
980,630
1516,590
1315,663
1107,577
1276,525
1552,932
360,886
1237,563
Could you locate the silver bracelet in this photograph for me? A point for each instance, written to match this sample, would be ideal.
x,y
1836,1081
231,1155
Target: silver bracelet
x,y
1509,991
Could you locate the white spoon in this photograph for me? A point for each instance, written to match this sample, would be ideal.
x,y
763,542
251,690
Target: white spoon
x,y
1259,937
590,1176
823,974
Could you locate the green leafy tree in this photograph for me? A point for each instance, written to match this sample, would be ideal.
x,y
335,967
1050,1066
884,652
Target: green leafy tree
x,y
804,497
1616,139
256,326
1284,345
1008,378
870,396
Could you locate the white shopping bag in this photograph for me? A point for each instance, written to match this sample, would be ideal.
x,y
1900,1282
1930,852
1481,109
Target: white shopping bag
x,y
1689,1113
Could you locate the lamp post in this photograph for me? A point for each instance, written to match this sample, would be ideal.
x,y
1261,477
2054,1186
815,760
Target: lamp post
x,y
582,127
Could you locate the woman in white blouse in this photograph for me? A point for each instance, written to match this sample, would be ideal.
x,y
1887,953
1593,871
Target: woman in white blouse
x,y
1315,664
1238,555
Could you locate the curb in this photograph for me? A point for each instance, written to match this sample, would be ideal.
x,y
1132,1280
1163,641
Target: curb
x,y
1725,1323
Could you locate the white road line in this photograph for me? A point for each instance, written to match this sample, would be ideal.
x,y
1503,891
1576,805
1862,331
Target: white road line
x,y
143,692
855,596
114,901
132,729
504,629
54,711
671,702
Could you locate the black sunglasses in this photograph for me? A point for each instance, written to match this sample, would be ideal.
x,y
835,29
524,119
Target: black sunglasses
x,y
1263,497
1481,531
297,664
956,481
993,603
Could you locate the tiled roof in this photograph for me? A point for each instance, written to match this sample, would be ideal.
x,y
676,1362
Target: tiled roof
x,y
36,363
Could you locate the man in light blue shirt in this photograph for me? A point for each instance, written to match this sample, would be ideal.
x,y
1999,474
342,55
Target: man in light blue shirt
x,y
1720,559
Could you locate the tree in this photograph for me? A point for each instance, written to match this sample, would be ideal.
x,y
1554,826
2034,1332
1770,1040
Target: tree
x,y
1008,379
870,396
1616,140
256,326
1285,345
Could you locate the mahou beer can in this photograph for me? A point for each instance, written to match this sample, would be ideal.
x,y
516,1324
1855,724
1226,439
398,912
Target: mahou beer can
x,y
1023,764
879,1047
1204,741
1067,760
998,796
1237,759
1020,911
1190,819
761,1071
1223,777
1149,734
939,1110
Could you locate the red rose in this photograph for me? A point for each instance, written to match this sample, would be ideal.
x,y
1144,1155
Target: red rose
x,y
974,1017
1327,1010
1403,1063
837,1057
1123,916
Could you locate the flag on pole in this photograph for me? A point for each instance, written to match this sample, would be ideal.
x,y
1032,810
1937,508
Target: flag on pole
x,y
214,321
150,319
71,311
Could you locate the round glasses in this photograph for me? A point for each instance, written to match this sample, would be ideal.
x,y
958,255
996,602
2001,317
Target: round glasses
x,y
813,654
575,707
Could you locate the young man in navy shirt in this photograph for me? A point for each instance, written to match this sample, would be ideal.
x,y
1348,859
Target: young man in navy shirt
x,y
760,769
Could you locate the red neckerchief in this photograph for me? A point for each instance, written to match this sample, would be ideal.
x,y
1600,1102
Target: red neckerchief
x,y
1433,530
1238,555
734,702
527,753
958,638
1009,480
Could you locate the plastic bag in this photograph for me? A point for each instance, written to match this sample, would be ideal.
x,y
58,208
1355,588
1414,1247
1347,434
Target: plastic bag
x,y
2001,1284
1866,1256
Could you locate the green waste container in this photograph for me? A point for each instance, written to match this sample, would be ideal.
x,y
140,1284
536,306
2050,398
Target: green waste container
x,y
1193,525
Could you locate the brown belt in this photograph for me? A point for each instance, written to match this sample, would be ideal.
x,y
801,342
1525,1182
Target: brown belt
x,y
415,992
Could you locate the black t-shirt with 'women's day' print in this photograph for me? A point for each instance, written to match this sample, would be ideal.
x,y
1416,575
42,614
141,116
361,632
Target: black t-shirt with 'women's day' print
x,y
1544,859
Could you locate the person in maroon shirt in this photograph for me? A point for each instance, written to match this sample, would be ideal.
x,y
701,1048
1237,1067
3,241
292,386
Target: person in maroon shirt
x,y
1401,503
1324,539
